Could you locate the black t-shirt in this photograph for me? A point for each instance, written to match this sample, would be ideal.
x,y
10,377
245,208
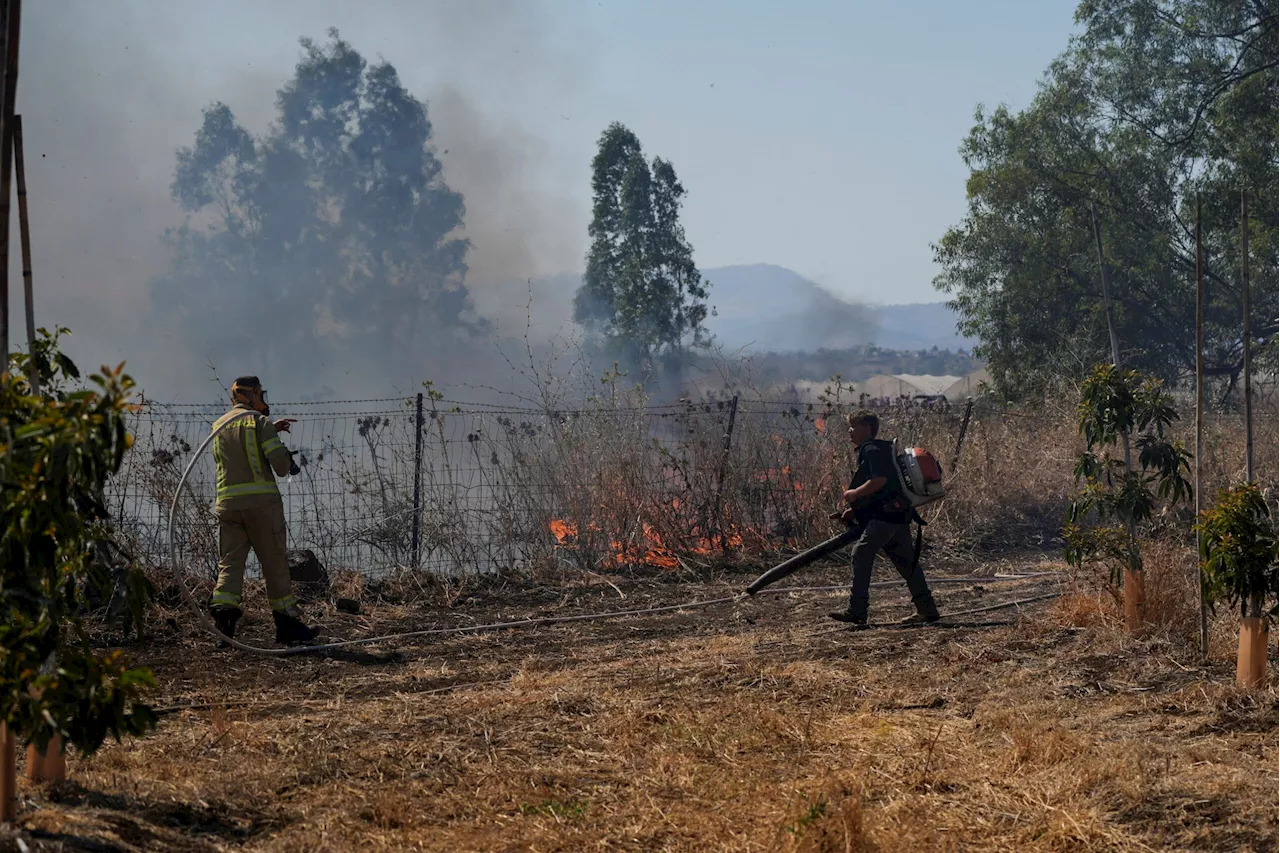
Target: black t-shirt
x,y
875,459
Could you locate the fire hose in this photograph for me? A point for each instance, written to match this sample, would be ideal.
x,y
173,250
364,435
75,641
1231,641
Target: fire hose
x,y
804,558
782,570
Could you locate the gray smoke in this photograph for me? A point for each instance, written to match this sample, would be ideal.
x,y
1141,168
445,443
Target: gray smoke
x,y
107,100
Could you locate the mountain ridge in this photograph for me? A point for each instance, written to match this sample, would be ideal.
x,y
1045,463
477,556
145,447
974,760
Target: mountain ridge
x,y
758,308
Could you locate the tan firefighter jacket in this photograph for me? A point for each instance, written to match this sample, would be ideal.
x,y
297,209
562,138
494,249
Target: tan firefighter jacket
x,y
246,453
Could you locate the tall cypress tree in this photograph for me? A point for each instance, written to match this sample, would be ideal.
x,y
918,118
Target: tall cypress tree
x,y
642,294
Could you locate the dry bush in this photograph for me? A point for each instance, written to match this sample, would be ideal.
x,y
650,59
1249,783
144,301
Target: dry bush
x,y
1171,587
587,478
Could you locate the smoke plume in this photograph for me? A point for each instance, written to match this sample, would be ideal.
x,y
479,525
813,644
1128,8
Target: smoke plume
x,y
108,93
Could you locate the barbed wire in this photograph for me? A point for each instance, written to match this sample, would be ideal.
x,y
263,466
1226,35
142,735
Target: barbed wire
x,y
503,488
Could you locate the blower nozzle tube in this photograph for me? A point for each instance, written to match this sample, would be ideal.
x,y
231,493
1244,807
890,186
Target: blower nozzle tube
x,y
804,558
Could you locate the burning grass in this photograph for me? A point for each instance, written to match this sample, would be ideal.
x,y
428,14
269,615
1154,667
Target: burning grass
x,y
616,483
742,727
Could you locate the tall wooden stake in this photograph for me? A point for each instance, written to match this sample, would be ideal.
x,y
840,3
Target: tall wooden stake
x,y
9,18
1248,366
11,28
33,374
8,776
1204,616
1111,325
1106,286
1134,583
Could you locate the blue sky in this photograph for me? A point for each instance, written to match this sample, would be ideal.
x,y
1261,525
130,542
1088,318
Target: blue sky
x,y
819,136
828,142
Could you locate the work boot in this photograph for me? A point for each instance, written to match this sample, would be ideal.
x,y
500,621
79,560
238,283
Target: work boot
x,y
290,629
856,621
926,612
225,619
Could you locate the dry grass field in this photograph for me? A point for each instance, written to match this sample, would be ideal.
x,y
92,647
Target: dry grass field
x,y
752,726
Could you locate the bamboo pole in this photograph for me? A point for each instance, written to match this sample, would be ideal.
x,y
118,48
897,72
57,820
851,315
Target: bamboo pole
x,y
1204,615
33,373
12,24
1248,365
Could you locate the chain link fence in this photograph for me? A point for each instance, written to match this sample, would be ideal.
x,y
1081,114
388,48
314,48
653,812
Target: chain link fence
x,y
458,487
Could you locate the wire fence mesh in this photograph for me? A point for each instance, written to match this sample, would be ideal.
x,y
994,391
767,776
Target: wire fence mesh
x,y
455,488
613,484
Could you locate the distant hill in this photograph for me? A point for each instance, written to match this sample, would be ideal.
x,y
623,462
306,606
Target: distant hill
x,y
922,325
761,307
771,308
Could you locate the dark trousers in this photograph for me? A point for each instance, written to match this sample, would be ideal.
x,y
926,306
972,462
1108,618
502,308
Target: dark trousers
x,y
895,540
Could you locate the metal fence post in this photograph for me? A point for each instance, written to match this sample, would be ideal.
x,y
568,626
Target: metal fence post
x,y
1248,366
417,485
724,460
964,427
1204,614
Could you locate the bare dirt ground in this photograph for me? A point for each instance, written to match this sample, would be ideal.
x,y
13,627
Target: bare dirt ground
x,y
749,726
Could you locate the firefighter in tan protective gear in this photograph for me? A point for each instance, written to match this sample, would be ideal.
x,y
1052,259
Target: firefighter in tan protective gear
x,y
249,455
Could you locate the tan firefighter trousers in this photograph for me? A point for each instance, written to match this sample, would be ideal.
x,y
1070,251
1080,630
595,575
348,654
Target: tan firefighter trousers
x,y
263,529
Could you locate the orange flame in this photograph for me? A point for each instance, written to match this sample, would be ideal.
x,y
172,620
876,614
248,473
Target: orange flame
x,y
562,529
647,549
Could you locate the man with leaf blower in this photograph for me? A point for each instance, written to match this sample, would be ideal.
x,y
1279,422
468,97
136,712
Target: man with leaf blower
x,y
884,514
249,455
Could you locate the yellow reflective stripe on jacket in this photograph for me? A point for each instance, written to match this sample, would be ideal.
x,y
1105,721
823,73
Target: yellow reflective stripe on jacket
x,y
248,489
239,457
219,465
271,445
252,450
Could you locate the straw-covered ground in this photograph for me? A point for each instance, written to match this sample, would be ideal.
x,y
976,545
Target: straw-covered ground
x,y
757,725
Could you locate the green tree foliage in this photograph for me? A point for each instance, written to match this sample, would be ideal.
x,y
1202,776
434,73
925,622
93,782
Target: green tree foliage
x,y
1122,408
642,292
1153,101
331,236
1238,550
57,451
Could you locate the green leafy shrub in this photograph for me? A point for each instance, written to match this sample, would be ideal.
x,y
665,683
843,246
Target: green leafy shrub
x,y
1238,551
1122,409
57,451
